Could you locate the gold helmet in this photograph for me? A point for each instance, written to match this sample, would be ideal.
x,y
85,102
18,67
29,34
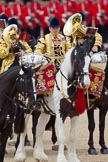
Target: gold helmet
x,y
74,27
10,34
98,40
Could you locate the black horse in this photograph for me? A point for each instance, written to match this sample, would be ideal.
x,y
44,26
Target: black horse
x,y
14,82
102,104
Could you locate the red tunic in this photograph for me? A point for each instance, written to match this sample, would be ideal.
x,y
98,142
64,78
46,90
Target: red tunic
x,y
62,14
18,9
36,7
104,7
44,16
2,8
28,18
96,14
71,7
53,9
9,12
87,12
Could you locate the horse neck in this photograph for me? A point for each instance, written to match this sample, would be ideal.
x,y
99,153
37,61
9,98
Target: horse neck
x,y
13,76
8,79
66,66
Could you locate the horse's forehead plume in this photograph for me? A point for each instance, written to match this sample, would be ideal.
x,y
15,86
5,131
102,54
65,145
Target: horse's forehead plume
x,y
21,72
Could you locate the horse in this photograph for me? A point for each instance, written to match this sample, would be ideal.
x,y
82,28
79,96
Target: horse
x,y
102,104
72,76
16,81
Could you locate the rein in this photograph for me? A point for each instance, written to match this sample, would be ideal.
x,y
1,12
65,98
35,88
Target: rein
x,y
63,89
71,83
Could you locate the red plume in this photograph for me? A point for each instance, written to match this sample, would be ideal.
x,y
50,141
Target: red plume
x,y
80,101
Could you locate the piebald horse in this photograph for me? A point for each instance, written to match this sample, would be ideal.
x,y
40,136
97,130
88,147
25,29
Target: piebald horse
x,y
73,73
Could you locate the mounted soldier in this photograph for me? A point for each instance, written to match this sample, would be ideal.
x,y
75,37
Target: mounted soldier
x,y
95,95
76,32
53,44
8,42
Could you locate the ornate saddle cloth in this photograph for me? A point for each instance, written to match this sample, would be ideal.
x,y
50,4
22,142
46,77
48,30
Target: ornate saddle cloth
x,y
97,79
45,79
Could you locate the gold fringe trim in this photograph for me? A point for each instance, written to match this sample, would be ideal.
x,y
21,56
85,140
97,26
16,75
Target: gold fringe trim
x,y
97,69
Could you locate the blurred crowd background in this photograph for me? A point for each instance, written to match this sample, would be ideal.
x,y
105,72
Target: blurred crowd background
x,y
33,15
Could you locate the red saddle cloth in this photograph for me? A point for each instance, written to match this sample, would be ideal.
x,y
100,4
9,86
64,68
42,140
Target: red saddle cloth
x,y
97,80
45,79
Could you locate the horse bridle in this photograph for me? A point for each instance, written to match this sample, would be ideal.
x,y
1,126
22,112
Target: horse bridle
x,y
71,83
22,96
75,82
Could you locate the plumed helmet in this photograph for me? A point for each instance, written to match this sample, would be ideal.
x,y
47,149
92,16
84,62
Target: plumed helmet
x,y
4,17
10,34
98,40
54,22
12,21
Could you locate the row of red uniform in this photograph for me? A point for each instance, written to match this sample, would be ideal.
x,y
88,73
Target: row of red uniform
x,y
96,13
